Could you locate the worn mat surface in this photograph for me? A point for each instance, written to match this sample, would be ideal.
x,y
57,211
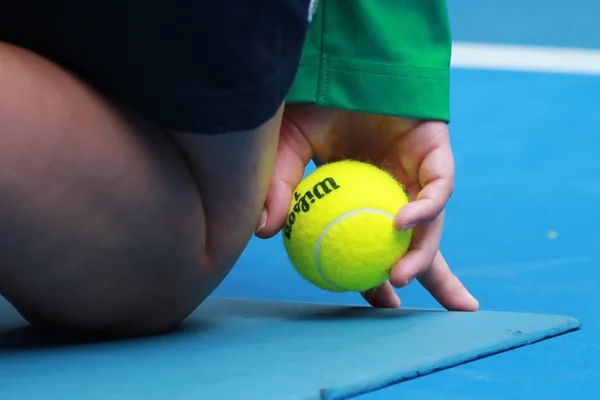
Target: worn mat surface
x,y
249,349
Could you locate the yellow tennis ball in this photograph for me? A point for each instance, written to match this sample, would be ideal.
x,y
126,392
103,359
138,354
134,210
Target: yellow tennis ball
x,y
339,233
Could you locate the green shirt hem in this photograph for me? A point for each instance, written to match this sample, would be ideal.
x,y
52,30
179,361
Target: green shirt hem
x,y
403,70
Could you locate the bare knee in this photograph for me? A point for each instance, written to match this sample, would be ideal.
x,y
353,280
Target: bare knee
x,y
100,220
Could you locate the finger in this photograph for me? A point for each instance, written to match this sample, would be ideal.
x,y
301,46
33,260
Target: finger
x,y
446,288
436,176
383,296
293,154
420,255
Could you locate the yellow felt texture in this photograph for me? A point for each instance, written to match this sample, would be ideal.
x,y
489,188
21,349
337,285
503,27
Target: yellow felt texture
x,y
339,233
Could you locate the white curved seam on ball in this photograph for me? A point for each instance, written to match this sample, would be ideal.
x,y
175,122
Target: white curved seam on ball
x,y
331,225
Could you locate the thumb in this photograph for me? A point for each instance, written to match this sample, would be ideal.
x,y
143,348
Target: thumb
x,y
293,155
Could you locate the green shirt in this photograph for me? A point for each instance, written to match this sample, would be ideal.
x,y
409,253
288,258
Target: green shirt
x,y
388,57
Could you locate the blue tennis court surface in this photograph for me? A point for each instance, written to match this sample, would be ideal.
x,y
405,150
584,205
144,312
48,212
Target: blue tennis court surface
x,y
561,23
521,232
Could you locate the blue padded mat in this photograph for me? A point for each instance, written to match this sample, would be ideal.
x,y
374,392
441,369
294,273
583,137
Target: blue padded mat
x,y
270,350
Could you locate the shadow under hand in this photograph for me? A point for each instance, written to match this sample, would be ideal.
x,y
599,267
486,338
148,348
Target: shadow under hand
x,y
290,311
362,313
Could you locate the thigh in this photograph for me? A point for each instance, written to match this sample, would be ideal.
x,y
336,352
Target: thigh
x,y
105,210
100,222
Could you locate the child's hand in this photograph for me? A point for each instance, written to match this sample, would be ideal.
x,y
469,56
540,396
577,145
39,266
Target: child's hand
x,y
417,152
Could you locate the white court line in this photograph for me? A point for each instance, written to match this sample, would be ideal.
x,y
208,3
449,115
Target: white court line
x,y
525,58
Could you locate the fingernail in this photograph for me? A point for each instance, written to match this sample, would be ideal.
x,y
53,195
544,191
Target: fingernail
x,y
408,282
262,221
407,227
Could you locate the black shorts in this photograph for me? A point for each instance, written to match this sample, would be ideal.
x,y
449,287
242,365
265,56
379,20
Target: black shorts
x,y
188,65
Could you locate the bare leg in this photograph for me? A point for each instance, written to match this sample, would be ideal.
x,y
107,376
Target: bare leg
x,y
102,223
